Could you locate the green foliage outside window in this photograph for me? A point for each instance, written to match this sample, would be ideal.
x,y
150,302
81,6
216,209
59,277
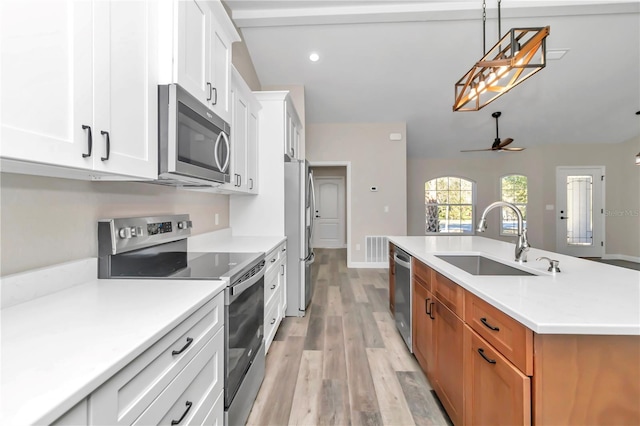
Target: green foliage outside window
x,y
448,205
514,189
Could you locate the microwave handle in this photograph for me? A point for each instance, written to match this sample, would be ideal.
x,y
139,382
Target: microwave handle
x,y
215,151
223,169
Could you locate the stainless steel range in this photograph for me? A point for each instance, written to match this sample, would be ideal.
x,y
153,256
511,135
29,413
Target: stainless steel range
x,y
156,248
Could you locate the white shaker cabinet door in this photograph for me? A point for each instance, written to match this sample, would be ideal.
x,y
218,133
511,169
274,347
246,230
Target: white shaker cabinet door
x,y
126,101
252,151
220,65
240,118
194,49
46,81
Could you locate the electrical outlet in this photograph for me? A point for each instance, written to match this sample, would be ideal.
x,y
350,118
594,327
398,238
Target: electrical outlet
x,y
216,219
357,247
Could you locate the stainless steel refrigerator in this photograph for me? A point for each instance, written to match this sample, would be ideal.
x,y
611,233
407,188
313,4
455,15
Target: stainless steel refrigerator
x,y
299,200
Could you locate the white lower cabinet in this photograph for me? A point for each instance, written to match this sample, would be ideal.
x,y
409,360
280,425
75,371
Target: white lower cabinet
x,y
275,288
178,378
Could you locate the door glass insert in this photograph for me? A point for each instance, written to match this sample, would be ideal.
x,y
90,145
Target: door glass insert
x,y
579,210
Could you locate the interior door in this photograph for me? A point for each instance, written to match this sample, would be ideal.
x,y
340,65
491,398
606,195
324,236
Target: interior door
x,y
580,211
329,212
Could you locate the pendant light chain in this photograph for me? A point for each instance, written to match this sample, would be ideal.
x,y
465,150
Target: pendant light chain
x,y
484,27
499,22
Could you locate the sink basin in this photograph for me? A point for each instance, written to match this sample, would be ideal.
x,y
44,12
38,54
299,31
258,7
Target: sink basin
x,y
480,265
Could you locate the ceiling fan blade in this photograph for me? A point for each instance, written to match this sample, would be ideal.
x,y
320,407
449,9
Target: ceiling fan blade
x,y
475,150
512,149
505,142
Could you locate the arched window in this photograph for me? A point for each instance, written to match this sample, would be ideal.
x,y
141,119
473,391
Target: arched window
x,y
448,204
513,189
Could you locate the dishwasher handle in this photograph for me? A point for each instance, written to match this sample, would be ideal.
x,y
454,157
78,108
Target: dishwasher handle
x,y
401,261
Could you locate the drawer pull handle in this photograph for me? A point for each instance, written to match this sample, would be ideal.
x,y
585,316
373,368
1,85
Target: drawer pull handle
x,y
489,360
189,341
177,422
273,286
273,321
489,326
273,260
426,306
431,311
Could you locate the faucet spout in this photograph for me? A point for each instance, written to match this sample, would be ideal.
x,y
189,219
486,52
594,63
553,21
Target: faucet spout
x,y
522,245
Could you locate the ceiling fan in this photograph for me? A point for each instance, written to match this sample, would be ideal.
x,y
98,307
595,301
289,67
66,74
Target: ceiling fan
x,y
498,145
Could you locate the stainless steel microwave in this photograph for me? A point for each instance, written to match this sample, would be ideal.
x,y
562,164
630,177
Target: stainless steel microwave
x,y
194,147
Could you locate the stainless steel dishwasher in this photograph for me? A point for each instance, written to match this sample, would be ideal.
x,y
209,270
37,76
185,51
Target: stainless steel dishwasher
x,y
403,298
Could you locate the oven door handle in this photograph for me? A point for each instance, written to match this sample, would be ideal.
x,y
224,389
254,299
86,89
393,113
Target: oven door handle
x,y
239,288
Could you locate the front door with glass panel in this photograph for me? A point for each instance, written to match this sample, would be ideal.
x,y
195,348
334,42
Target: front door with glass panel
x,y
580,211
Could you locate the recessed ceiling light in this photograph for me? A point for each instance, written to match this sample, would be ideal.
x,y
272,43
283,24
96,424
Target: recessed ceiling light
x,y
314,57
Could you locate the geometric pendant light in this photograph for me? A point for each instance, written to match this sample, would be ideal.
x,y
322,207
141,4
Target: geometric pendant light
x,y
517,56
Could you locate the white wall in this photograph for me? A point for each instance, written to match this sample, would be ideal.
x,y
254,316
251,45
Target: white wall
x,y
46,221
375,161
539,165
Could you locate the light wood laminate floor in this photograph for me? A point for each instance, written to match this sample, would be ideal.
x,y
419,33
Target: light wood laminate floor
x,y
344,362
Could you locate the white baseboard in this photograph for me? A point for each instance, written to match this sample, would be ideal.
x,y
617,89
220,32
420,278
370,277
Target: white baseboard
x,y
368,265
622,257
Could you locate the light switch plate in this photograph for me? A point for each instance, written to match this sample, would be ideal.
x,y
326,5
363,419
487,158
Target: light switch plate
x,y
550,207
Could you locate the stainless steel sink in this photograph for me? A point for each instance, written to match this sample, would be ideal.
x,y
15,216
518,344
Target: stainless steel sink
x,y
480,265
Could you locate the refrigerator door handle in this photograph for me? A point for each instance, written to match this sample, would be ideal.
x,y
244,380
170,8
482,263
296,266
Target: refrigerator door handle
x,y
310,259
313,205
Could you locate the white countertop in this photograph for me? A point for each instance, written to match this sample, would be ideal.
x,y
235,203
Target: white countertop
x,y
224,241
587,297
58,348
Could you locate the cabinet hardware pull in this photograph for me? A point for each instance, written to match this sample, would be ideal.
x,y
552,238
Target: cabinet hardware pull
x,y
273,286
209,85
284,249
426,306
489,326
108,139
89,140
489,360
431,311
177,422
215,96
189,341
273,260
273,321
282,273
251,185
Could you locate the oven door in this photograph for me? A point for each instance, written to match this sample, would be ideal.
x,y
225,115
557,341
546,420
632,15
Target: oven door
x,y
244,330
194,142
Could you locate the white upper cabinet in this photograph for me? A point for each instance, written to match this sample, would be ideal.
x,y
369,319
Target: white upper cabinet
x,y
193,48
292,128
126,88
79,89
244,138
202,49
46,82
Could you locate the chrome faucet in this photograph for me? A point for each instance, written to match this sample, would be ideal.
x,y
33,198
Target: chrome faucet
x,y
522,245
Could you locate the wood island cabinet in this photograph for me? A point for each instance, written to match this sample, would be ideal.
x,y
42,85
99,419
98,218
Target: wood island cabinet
x,y
489,369
448,369
423,322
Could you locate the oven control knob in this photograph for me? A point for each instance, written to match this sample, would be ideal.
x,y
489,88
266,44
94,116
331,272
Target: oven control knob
x,y
185,224
124,233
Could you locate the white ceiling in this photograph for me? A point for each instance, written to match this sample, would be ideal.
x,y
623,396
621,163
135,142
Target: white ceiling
x,y
386,61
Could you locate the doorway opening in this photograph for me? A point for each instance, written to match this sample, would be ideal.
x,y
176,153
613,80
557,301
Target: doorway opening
x,y
332,227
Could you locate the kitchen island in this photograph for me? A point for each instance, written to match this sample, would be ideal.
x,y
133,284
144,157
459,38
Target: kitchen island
x,y
547,348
